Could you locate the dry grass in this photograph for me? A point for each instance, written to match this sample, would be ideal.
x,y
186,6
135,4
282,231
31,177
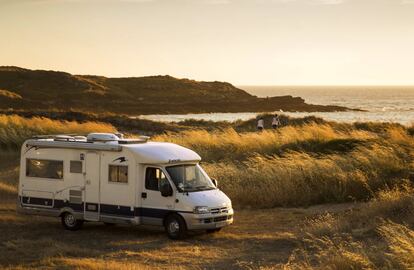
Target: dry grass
x,y
302,179
400,241
231,145
295,166
303,165
373,235
9,170
9,94
396,205
15,129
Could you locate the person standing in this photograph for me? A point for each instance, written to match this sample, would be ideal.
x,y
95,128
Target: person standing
x,y
260,124
275,122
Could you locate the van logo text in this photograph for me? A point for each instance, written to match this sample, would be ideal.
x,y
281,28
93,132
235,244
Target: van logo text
x,y
120,159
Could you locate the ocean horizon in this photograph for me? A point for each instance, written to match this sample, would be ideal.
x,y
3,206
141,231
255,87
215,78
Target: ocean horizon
x,y
378,104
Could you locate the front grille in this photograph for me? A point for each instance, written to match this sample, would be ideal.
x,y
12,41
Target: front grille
x,y
217,219
221,210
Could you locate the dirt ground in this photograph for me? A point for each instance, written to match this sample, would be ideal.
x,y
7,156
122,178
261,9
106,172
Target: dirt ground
x,y
257,239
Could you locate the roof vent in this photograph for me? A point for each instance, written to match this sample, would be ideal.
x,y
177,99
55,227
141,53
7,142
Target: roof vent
x,y
80,138
140,139
63,138
101,137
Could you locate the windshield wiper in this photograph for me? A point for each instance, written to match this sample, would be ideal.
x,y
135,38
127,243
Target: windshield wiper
x,y
203,187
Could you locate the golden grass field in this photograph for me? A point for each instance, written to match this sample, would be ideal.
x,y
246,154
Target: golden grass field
x,y
314,196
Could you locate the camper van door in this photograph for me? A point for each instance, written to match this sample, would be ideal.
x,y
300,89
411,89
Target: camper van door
x,y
92,186
154,205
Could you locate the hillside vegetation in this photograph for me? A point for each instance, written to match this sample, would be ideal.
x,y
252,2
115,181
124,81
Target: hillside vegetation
x,y
361,173
300,164
303,165
24,89
14,130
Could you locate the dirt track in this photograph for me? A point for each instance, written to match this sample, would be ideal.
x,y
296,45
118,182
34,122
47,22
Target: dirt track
x,y
258,238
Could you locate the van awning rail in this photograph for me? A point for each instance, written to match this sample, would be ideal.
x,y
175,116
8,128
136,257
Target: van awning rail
x,y
74,145
53,136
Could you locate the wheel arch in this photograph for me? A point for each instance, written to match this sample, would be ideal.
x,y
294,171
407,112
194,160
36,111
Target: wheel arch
x,y
172,213
71,211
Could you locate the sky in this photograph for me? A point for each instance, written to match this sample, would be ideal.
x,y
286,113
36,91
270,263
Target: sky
x,y
245,42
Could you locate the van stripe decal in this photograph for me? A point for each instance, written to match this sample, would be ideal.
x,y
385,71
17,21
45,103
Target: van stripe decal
x,y
106,209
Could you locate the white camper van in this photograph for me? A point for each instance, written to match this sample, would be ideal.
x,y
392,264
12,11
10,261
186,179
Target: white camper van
x,y
103,177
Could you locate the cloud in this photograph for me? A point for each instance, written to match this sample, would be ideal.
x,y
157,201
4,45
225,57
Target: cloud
x,y
309,2
80,1
206,2
329,2
216,2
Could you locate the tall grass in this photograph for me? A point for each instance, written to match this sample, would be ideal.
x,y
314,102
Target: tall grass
x,y
293,166
297,165
232,145
302,179
394,205
15,129
303,165
400,242
375,235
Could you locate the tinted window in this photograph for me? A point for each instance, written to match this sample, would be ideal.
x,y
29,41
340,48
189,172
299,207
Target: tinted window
x,y
75,166
44,168
154,177
118,174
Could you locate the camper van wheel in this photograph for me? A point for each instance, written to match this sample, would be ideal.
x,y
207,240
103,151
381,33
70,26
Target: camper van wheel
x,y
175,227
70,222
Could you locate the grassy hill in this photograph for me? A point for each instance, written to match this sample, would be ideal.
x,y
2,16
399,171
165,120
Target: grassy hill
x,y
309,195
25,89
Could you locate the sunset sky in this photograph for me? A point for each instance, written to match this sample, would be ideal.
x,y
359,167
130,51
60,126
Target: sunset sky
x,y
255,42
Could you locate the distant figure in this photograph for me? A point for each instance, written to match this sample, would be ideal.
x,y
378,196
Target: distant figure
x,y
275,122
260,124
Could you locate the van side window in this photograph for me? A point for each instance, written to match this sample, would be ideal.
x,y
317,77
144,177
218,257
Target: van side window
x,y
43,168
75,166
153,178
118,174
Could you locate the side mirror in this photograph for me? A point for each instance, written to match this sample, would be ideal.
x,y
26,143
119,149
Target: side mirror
x,y
166,190
214,180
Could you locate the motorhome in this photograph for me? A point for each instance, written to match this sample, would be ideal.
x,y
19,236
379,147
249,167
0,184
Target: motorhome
x,y
103,177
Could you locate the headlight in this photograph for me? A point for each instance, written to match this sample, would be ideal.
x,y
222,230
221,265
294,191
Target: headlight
x,y
201,210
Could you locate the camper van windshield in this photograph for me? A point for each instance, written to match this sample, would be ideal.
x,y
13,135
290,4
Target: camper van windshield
x,y
189,178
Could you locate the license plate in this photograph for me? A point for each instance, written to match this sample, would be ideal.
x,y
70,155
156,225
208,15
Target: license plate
x,y
220,224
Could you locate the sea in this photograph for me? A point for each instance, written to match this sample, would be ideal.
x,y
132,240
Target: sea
x,y
378,104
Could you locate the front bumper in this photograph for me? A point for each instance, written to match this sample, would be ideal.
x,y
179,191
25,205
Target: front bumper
x,y
208,221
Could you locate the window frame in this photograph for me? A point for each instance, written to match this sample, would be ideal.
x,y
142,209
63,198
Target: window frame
x,y
117,166
162,171
45,178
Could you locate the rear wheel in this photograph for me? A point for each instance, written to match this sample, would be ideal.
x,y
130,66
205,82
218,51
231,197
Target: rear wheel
x,y
175,227
70,222
213,230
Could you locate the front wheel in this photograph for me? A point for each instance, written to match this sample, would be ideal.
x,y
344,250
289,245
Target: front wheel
x,y
70,222
175,227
